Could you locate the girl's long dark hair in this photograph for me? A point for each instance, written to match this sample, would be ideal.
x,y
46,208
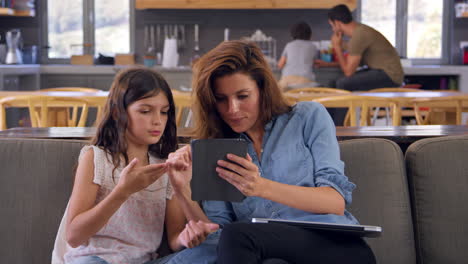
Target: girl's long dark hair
x,y
130,85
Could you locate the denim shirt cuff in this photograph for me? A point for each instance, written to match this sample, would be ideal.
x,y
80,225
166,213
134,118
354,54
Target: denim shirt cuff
x,y
346,194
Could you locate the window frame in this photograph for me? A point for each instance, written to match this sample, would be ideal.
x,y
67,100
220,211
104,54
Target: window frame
x,y
402,33
88,31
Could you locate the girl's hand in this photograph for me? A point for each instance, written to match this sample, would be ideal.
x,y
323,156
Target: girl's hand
x,y
134,179
179,166
320,63
195,233
244,175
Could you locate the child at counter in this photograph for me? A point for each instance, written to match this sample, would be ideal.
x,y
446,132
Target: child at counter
x,y
297,58
122,196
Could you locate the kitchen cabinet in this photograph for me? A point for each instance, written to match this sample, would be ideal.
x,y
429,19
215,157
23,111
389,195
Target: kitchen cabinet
x,y
19,77
102,82
242,4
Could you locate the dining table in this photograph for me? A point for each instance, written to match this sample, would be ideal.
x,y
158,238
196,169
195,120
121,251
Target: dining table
x,y
78,133
404,98
402,135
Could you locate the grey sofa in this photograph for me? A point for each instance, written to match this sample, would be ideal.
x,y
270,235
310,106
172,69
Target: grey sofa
x,y
413,198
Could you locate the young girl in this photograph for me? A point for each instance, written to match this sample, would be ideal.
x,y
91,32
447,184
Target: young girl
x,y
121,196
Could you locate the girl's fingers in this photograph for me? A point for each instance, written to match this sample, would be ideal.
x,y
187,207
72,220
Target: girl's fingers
x,y
185,238
210,227
198,232
192,235
131,165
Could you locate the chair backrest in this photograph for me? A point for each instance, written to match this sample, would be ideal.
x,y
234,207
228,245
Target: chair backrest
x,y
457,102
39,109
438,184
317,90
352,102
381,197
99,104
395,89
71,89
182,100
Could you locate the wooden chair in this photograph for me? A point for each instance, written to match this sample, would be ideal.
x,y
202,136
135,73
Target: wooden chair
x,y
317,90
292,99
182,101
353,102
38,107
376,112
64,112
459,103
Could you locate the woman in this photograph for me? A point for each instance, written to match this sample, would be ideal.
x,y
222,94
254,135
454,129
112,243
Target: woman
x,y
292,171
297,59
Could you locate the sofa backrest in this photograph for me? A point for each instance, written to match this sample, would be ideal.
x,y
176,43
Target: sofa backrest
x,y
37,177
381,197
35,185
438,181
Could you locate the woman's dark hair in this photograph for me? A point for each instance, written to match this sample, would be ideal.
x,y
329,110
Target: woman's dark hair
x,y
340,13
301,30
228,58
131,85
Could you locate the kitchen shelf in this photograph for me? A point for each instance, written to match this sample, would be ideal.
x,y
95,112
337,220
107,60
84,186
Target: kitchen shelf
x,y
242,4
18,13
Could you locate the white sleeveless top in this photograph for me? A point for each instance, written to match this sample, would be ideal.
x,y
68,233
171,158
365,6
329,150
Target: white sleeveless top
x,y
134,232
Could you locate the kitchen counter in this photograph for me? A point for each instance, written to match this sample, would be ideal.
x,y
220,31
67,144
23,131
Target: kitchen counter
x,y
181,76
98,69
19,69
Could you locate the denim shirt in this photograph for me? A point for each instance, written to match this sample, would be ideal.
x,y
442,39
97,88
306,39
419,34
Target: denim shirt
x,y
299,148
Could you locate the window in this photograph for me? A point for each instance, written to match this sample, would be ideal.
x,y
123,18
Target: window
x,y
417,31
87,27
384,20
425,24
65,28
112,28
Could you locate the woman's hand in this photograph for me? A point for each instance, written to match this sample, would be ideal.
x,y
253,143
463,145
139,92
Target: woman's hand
x,y
244,175
195,233
179,164
134,178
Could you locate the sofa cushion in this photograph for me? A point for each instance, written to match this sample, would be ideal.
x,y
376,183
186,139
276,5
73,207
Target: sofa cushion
x,y
35,184
381,197
438,170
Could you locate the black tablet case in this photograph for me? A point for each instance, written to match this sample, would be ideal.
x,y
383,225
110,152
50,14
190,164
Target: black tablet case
x,y
206,184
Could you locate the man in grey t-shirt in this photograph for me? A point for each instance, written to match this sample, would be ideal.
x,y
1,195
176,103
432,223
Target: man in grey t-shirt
x,y
366,47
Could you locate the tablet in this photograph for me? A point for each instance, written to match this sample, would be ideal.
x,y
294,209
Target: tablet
x,y
360,230
206,184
